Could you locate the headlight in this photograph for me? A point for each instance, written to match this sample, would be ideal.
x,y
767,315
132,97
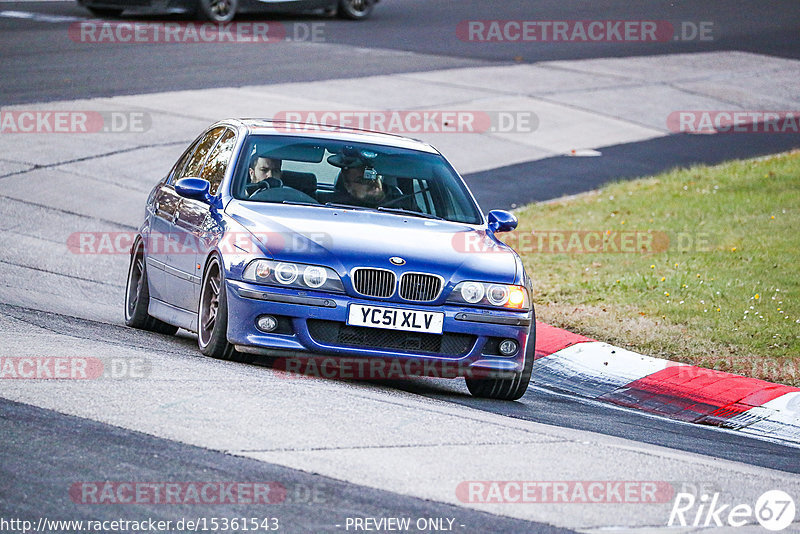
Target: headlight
x,y
293,275
286,273
497,295
314,276
493,295
472,292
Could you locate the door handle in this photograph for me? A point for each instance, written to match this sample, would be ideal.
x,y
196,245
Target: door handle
x,y
177,215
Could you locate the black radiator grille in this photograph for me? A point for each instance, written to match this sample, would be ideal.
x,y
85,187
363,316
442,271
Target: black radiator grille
x,y
374,282
420,287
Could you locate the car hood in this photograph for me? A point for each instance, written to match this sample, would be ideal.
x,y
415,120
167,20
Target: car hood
x,y
348,238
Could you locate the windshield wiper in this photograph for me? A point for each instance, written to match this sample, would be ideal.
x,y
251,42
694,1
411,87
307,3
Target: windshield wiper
x,y
403,211
298,203
326,205
398,211
348,206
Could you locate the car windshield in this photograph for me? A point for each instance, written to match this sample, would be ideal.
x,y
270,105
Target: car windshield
x,y
333,173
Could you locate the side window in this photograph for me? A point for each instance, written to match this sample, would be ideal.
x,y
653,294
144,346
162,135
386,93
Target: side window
x,y
175,173
214,170
195,164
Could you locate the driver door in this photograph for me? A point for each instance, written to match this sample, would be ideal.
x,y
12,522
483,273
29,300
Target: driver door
x,y
180,245
195,223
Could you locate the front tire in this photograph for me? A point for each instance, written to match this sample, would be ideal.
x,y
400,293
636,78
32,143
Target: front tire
x,y
217,10
137,297
212,316
507,388
355,9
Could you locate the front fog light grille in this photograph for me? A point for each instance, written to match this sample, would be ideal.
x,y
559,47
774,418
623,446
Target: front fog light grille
x,y
336,333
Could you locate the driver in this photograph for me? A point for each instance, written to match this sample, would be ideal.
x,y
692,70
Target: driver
x,y
265,173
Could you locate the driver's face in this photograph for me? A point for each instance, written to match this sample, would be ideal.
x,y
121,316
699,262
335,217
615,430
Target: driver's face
x,y
265,168
359,188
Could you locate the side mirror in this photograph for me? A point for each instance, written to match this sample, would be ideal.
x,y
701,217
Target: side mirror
x,y
195,188
501,221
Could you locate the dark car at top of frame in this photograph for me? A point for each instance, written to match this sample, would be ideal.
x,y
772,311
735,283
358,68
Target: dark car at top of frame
x,y
292,240
226,10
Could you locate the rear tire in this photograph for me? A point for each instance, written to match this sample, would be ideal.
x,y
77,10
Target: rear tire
x,y
137,297
212,316
355,9
507,388
218,11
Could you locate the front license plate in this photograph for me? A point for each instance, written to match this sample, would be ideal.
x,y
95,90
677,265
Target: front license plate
x,y
395,319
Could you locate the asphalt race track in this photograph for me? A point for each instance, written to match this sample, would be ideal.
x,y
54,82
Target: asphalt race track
x,y
339,449
41,63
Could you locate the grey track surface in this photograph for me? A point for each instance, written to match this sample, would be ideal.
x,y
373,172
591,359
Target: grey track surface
x,y
538,405
35,480
403,36
241,410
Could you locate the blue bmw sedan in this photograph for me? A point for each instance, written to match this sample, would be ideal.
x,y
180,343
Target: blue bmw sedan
x,y
292,240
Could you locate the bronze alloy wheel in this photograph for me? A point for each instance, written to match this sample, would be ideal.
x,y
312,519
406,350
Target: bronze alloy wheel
x,y
209,303
212,316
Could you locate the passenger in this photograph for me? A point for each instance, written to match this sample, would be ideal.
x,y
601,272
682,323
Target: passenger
x,y
360,185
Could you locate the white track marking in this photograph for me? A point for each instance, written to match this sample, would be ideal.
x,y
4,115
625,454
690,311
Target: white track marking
x,y
39,17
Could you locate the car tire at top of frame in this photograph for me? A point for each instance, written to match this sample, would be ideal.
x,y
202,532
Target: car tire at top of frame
x,y
355,9
212,316
105,12
507,388
217,10
137,296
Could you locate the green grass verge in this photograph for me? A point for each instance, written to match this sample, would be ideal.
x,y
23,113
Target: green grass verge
x,y
720,286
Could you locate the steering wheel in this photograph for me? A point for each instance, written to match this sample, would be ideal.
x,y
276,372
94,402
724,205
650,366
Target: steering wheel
x,y
404,197
269,183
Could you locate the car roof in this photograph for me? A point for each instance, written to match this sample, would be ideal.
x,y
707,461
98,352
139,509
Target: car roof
x,y
339,133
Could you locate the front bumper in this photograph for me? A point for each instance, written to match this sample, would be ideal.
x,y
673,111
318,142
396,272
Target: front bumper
x,y
318,327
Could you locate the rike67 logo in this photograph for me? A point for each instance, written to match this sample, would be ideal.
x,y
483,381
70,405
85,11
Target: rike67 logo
x,y
774,510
